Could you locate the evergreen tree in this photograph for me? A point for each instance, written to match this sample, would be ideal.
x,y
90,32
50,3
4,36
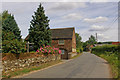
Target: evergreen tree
x,y
9,25
39,32
11,39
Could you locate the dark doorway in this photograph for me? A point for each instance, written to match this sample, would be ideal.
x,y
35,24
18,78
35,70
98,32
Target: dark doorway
x,y
64,54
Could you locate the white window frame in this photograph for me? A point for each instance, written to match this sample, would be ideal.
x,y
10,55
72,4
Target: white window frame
x,y
61,43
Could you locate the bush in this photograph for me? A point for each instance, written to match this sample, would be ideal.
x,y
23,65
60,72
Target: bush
x,y
79,50
48,50
105,48
110,53
12,45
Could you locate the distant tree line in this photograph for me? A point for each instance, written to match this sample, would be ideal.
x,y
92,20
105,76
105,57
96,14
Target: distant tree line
x,y
88,43
79,43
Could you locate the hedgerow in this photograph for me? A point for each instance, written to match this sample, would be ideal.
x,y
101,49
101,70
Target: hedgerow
x,y
110,53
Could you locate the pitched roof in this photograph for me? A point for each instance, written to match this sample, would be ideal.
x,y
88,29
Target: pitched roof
x,y
62,33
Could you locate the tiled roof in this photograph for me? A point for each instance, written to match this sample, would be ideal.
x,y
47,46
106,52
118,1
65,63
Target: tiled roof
x,y
62,33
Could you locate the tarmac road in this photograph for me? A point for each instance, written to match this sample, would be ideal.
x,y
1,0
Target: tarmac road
x,y
86,66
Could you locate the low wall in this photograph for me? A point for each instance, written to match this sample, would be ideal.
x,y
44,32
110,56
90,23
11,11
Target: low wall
x,y
22,63
71,54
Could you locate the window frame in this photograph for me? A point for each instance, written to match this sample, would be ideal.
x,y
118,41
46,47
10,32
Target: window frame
x,y
62,52
61,43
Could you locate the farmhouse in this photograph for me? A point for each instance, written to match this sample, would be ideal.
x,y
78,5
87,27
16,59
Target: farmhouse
x,y
65,40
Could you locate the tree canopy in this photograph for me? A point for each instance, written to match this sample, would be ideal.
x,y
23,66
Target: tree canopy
x,y
88,43
92,40
39,32
78,42
9,25
11,38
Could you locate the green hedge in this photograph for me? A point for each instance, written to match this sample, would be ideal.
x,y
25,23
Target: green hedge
x,y
110,53
79,50
105,49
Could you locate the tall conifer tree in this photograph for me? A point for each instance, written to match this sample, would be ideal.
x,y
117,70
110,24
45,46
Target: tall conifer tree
x,y
9,25
39,32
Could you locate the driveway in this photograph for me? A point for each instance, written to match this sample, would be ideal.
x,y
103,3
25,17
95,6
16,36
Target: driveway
x,y
86,66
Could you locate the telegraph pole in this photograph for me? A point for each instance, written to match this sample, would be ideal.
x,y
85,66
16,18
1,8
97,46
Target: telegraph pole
x,y
96,37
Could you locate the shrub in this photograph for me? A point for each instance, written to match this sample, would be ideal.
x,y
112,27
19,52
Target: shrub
x,y
79,50
12,45
48,50
110,53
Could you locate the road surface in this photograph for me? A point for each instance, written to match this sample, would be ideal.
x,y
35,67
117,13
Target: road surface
x,y
86,66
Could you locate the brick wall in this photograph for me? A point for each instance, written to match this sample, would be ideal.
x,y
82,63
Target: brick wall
x,y
73,42
67,44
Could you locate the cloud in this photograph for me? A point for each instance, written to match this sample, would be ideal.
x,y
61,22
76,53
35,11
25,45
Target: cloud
x,y
102,36
60,0
104,0
67,6
97,28
96,20
72,16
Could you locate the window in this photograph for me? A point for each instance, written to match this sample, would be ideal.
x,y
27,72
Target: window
x,y
62,51
61,42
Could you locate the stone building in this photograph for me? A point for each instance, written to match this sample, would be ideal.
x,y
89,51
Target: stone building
x,y
65,40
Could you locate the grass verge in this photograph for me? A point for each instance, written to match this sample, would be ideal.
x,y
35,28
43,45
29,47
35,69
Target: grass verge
x,y
27,70
111,54
76,55
113,61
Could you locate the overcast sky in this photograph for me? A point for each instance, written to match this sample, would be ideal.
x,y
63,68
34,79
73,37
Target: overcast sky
x,y
88,18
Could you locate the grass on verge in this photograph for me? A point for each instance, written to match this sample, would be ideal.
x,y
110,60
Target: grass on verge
x,y
113,61
76,55
27,70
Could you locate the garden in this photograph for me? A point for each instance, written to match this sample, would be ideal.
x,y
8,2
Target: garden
x,y
43,57
16,60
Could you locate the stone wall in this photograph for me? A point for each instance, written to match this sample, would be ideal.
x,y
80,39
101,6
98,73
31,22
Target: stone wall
x,y
22,63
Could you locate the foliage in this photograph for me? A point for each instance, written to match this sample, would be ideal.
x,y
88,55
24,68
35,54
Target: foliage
x,y
104,43
92,40
12,45
110,53
85,46
39,32
78,43
48,50
9,25
0,32
11,38
106,48
88,43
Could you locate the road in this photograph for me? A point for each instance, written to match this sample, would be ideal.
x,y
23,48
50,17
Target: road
x,y
86,66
